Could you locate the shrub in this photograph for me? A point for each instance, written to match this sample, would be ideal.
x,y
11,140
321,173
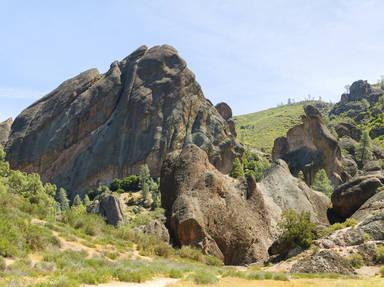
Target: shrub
x,y
382,271
356,260
322,183
297,229
3,265
174,273
237,169
137,276
203,278
379,256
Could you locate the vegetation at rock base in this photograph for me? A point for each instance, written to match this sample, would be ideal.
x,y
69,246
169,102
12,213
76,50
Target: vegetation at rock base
x,y
364,150
296,229
251,165
322,183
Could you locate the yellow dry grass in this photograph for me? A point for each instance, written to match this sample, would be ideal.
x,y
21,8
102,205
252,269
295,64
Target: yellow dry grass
x,y
237,282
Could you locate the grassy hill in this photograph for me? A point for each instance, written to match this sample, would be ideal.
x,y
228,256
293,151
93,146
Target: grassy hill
x,y
260,129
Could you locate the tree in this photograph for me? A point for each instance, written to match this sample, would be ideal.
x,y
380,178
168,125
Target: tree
x,y
296,229
237,169
62,199
144,174
322,183
364,149
86,200
77,201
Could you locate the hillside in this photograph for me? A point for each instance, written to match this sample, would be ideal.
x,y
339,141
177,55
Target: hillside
x,y
260,129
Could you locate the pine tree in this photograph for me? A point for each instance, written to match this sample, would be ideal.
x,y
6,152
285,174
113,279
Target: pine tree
x,y
86,200
364,150
77,201
144,175
322,183
237,169
62,199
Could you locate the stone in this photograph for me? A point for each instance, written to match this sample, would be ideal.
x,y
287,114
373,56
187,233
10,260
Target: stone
x,y
325,261
157,228
376,132
349,197
195,194
5,128
373,226
224,110
309,147
108,206
348,130
372,206
96,127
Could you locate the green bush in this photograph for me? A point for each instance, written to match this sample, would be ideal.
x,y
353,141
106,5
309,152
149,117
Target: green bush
x,y
322,183
137,276
3,265
190,253
356,260
379,256
297,229
382,271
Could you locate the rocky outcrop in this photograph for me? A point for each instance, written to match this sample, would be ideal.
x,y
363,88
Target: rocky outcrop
x,y
5,128
348,130
96,127
372,206
376,132
283,191
109,207
349,197
156,228
309,147
226,112
325,261
194,194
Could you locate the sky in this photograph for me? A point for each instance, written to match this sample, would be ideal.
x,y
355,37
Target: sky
x,y
251,54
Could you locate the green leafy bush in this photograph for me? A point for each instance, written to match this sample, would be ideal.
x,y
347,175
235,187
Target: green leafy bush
x,y
379,256
356,260
203,278
297,229
322,183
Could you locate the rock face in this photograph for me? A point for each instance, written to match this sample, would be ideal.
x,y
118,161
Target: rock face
x,y
108,206
309,147
96,127
157,228
225,217
349,197
325,261
5,128
226,112
372,206
210,210
283,191
348,130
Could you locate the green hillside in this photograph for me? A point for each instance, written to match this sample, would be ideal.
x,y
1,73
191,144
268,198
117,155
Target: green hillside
x,y
260,129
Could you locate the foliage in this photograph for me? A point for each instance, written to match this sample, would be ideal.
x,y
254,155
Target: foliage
x,y
77,201
62,199
254,166
322,183
356,260
379,256
297,229
237,169
350,222
364,149
86,200
203,278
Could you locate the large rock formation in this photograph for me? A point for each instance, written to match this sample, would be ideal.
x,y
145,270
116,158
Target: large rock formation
x,y
108,206
5,128
95,127
213,211
230,218
309,147
349,197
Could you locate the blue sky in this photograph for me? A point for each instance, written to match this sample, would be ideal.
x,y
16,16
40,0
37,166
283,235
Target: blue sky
x,y
250,54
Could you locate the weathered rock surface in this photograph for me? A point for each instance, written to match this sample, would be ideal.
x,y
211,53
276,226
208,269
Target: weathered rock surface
x,y
372,206
325,261
157,228
213,211
309,147
283,191
96,127
108,206
5,128
349,197
348,130
226,112
230,218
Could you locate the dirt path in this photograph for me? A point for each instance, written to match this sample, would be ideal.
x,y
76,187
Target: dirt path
x,y
160,282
